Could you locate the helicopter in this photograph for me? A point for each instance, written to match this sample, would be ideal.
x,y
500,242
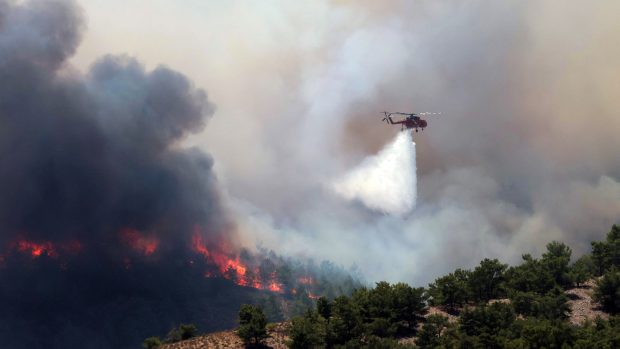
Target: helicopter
x,y
412,121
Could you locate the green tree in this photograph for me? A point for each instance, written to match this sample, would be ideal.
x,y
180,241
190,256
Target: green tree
x,y
486,280
582,270
346,321
409,304
450,290
557,260
553,305
151,343
374,342
324,308
542,333
531,276
599,334
252,325
607,291
430,334
606,254
599,257
486,326
308,331
381,301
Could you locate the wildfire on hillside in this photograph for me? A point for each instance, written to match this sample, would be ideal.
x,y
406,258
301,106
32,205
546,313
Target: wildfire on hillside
x,y
231,267
220,259
145,245
36,249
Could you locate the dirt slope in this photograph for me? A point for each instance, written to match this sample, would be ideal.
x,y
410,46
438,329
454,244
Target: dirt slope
x,y
582,306
230,340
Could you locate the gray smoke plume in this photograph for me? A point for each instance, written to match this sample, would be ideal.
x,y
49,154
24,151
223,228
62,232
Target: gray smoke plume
x,y
99,201
525,152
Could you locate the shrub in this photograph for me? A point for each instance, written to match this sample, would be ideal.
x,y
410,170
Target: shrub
x,y
607,291
252,325
187,331
308,331
151,343
430,334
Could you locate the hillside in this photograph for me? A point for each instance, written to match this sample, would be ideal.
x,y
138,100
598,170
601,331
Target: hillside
x,y
542,302
583,308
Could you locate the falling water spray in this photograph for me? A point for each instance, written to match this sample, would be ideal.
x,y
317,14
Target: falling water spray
x,y
385,182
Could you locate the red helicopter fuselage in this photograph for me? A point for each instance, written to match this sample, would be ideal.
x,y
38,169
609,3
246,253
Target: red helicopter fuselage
x,y
411,122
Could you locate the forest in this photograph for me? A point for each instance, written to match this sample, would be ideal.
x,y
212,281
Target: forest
x,y
492,306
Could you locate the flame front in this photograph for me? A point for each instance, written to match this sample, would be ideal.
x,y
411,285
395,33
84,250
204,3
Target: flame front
x,y
38,249
139,242
231,267
246,271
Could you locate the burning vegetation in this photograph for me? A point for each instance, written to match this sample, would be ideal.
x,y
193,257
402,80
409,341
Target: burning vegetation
x,y
100,204
263,271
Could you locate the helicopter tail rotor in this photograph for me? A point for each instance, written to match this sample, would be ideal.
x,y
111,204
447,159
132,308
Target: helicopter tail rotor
x,y
385,118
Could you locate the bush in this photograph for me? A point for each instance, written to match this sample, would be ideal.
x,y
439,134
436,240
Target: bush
x,y
582,270
151,343
188,331
531,276
450,290
308,331
430,334
551,306
542,333
374,342
607,291
173,336
606,254
252,325
487,319
486,280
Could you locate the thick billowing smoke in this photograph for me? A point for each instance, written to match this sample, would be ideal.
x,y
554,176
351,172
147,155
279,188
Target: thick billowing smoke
x,y
99,202
525,151
385,182
86,156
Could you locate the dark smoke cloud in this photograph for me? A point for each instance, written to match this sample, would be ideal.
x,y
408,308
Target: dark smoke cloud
x,y
87,155
84,157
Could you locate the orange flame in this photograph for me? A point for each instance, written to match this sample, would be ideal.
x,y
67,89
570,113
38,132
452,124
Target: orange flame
x,y
138,242
275,287
231,267
37,249
313,296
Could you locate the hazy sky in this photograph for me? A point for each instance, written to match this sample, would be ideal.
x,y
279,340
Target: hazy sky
x,y
525,152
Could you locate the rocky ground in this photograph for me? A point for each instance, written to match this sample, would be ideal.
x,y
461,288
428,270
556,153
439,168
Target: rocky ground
x,y
230,340
582,308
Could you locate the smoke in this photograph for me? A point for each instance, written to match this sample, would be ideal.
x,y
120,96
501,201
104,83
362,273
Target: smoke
x,y
99,200
385,182
525,151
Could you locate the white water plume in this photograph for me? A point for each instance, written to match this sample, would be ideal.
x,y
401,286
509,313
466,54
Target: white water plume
x,y
385,182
